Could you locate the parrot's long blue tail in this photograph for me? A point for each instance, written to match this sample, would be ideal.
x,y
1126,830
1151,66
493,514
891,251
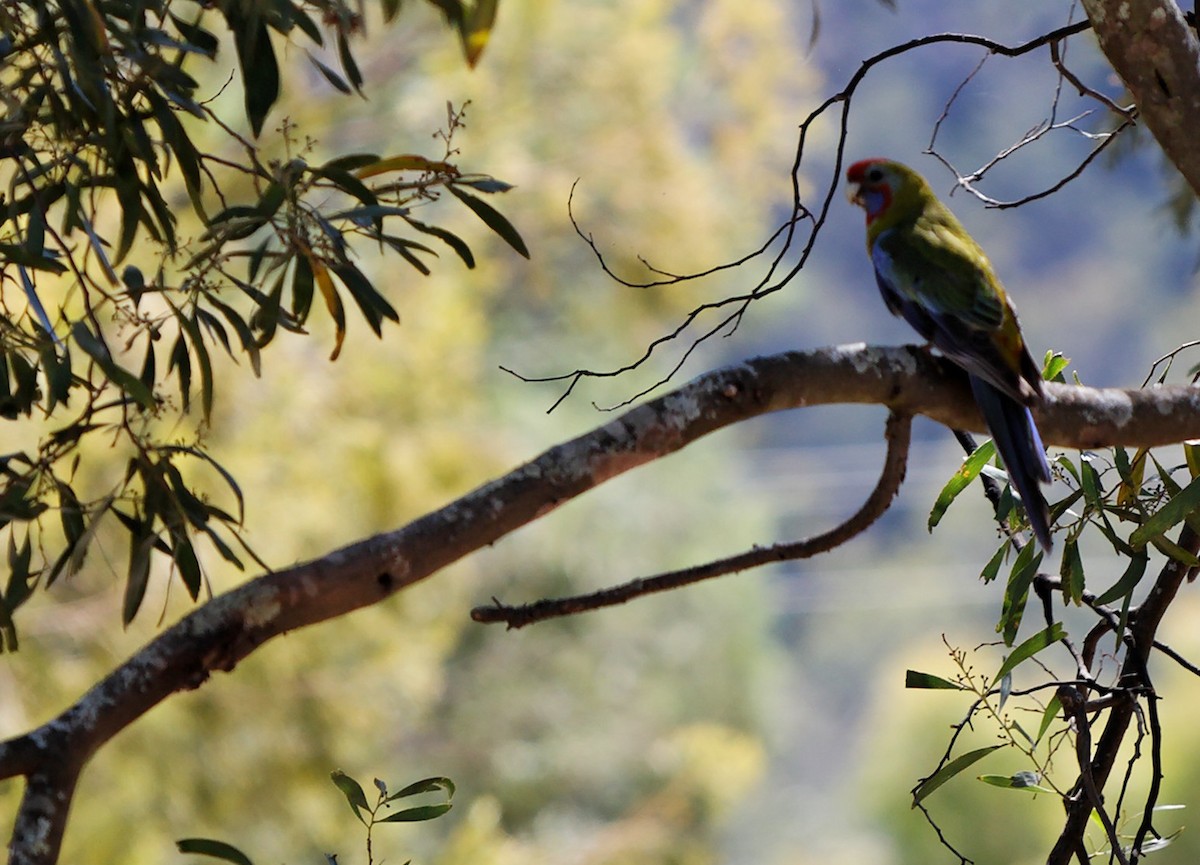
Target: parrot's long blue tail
x,y
1020,446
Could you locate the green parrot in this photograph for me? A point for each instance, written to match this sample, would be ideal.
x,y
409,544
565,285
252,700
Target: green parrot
x,y
935,276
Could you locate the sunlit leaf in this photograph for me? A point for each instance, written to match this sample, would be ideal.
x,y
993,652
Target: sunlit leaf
x,y
1169,515
1052,710
960,480
1027,781
1017,591
1053,365
1029,648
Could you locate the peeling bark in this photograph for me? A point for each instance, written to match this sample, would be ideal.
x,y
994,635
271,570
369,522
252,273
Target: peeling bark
x,y
1157,55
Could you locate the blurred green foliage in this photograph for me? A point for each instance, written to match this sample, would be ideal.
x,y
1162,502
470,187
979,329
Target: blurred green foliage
x,y
109,126
571,734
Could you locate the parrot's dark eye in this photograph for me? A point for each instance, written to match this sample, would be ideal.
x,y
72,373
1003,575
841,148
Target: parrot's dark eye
x,y
874,175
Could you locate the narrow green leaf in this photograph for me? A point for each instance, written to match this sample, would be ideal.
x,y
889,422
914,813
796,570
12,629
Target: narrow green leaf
x,y
417,814
349,183
1016,593
20,585
1069,467
425,785
95,348
183,552
242,328
1169,515
1132,576
346,58
960,480
302,288
260,72
992,568
1090,480
213,849
453,241
203,361
332,77
1071,572
1029,648
353,792
141,543
181,362
944,774
371,303
1053,366
1027,781
915,679
1052,710
484,184
1172,550
403,247
349,162
492,218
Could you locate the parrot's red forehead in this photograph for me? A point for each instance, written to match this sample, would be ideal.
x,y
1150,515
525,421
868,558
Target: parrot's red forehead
x,y
857,172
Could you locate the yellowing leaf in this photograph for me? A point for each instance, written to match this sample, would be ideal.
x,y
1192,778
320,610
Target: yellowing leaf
x,y
477,29
404,162
332,301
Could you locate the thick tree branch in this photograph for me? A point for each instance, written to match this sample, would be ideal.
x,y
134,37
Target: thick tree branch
x,y
218,635
1157,55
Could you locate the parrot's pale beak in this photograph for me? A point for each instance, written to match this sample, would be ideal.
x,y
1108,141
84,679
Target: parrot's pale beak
x,y
854,193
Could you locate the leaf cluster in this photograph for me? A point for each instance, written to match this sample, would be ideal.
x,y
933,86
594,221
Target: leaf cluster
x,y
356,798
105,130
1132,501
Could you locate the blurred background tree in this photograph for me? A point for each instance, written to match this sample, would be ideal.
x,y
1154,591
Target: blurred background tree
x,y
324,452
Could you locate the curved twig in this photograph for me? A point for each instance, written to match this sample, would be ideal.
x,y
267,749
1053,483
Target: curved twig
x,y
898,434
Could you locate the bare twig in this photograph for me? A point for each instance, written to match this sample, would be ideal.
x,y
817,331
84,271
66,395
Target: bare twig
x,y
898,435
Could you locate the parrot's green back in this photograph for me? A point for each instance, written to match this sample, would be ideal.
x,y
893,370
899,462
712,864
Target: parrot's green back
x,y
934,275
929,259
